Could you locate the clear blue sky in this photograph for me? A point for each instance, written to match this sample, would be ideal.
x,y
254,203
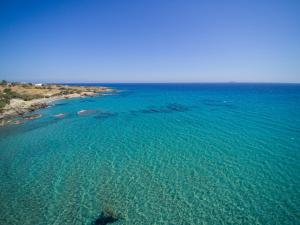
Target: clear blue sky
x,y
150,40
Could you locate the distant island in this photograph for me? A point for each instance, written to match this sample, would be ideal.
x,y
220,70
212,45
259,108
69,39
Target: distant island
x,y
19,98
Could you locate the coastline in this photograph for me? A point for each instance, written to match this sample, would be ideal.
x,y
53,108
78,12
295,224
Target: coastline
x,y
18,107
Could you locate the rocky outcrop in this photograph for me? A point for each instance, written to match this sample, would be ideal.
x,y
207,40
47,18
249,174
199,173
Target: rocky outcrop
x,y
19,107
60,115
84,112
32,117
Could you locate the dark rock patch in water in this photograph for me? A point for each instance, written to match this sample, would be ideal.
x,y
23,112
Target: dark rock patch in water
x,y
134,112
103,115
177,107
106,217
13,130
61,104
155,110
87,100
169,108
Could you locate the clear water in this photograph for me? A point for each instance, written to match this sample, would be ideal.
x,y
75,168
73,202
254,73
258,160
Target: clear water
x,y
160,154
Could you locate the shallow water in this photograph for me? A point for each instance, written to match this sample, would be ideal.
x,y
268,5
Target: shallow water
x,y
158,154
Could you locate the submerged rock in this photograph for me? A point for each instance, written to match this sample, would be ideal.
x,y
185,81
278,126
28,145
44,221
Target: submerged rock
x,y
155,110
169,108
60,115
87,100
177,107
84,112
16,122
13,121
106,217
103,115
32,117
61,104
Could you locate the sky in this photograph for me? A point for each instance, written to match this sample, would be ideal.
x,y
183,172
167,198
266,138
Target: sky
x,y
150,40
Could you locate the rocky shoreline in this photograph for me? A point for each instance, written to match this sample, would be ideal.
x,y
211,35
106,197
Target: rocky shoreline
x,y
19,108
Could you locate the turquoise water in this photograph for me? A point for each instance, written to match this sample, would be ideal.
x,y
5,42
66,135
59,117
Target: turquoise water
x,y
158,154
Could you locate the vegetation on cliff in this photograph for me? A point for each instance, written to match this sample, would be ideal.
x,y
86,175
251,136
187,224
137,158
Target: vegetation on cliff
x,y
6,94
29,91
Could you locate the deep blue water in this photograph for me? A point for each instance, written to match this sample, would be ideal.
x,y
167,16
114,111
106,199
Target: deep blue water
x,y
158,154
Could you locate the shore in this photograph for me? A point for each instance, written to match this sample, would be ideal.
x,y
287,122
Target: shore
x,y
18,107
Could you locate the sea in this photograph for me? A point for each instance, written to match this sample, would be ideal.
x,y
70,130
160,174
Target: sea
x,y
157,154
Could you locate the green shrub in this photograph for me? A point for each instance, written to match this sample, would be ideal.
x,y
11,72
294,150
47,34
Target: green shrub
x,y
30,97
3,82
4,99
2,104
9,94
7,90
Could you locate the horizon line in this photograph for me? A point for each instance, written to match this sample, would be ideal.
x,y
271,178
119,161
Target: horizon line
x,y
212,82
155,82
